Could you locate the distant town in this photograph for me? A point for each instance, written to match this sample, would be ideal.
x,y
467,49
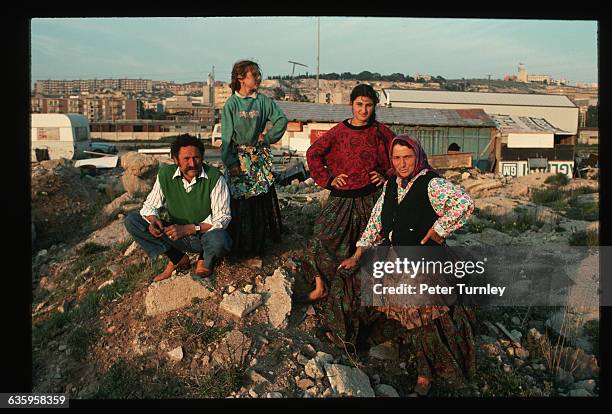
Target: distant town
x,y
148,105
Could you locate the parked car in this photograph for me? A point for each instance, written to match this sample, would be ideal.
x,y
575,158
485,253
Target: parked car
x,y
104,148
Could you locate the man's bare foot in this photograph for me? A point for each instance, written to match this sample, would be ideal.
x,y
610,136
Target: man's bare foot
x,y
183,264
423,385
320,290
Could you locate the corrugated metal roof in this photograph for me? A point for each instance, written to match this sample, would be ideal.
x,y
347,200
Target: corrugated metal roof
x,y
313,112
525,124
480,98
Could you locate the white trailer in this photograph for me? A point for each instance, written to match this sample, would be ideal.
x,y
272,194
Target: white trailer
x,y
60,136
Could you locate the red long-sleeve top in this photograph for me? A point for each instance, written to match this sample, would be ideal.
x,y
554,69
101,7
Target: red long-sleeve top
x,y
351,150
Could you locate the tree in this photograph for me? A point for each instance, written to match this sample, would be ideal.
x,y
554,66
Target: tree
x,y
364,75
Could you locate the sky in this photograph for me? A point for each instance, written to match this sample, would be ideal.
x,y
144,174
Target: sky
x,y
186,49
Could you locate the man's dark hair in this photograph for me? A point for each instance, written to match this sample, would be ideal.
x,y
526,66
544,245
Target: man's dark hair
x,y
366,90
185,140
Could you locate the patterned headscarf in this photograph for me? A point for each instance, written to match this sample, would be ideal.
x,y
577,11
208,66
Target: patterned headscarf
x,y
421,158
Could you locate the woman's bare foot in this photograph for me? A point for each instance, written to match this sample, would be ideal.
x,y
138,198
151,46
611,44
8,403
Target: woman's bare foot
x,y
423,385
320,290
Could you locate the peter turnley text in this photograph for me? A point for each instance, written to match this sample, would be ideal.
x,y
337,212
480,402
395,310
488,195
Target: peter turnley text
x,y
425,289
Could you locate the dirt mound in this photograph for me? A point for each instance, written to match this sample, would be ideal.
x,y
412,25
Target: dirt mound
x,y
64,200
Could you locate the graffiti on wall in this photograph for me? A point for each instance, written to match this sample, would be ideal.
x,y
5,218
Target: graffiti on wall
x,y
519,168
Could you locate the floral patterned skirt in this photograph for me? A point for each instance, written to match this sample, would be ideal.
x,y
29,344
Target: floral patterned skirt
x,y
255,176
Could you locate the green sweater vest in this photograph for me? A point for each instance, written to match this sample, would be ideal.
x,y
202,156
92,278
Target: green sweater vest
x,y
183,207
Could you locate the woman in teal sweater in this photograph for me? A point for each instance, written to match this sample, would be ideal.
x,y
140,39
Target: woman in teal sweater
x,y
247,158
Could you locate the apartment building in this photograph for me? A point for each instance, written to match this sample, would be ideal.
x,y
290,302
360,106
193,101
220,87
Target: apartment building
x,y
95,109
66,87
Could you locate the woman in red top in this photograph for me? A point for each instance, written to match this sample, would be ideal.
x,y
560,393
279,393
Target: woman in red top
x,y
351,160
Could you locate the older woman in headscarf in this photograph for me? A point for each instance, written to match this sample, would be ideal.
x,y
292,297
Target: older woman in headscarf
x,y
417,207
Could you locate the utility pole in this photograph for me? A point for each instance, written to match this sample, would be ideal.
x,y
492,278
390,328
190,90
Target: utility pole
x,y
489,75
211,100
318,50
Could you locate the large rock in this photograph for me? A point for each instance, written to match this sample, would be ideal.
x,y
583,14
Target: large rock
x,y
139,165
384,390
233,349
136,185
116,204
349,381
279,290
584,366
239,304
111,235
570,324
176,355
174,293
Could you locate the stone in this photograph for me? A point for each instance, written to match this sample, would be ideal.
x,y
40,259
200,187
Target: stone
x,y
588,385
492,348
310,181
274,394
230,289
579,393
136,185
465,176
349,381
516,335
176,355
116,204
174,293
564,378
309,351
516,321
386,351
310,310
131,249
516,340
521,353
302,360
139,165
304,383
584,366
248,288
256,377
314,370
252,393
233,349
62,347
323,358
507,368
279,289
493,330
384,390
210,324
240,304
107,283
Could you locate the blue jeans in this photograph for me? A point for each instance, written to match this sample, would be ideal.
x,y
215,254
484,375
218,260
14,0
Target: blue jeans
x,y
211,244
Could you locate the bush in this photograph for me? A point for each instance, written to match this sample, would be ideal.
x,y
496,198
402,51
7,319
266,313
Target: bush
x,y
557,180
588,238
547,195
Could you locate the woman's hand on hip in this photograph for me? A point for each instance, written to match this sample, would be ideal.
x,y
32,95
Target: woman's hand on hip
x,y
376,178
339,181
431,234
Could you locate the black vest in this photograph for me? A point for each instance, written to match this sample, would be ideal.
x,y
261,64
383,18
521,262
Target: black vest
x,y
413,217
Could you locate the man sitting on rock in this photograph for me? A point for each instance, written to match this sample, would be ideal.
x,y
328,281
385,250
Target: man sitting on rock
x,y
196,198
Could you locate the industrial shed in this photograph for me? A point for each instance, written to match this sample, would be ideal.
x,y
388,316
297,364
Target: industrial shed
x,y
436,129
557,109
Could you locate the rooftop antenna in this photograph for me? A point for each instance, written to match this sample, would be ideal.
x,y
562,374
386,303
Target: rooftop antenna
x,y
295,63
293,70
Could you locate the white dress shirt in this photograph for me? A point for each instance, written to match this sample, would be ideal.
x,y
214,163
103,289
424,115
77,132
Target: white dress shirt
x,y
219,200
